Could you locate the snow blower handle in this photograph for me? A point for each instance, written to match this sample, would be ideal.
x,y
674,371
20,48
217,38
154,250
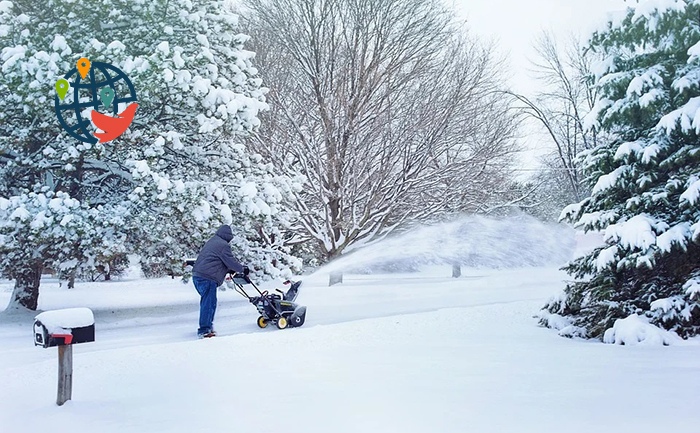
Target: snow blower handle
x,y
240,278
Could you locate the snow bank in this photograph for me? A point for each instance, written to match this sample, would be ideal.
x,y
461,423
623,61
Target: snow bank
x,y
635,330
409,353
483,368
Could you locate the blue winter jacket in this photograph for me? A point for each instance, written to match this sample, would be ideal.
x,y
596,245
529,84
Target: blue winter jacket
x,y
216,259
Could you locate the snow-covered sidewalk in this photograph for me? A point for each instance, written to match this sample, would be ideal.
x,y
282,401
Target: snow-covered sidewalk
x,y
377,354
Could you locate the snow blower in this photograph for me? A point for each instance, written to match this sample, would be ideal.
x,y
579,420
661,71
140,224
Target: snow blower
x,y
278,309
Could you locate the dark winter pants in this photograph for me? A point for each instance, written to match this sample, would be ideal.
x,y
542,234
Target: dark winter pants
x,y
207,305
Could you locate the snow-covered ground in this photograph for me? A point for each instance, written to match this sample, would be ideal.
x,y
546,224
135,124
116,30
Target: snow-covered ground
x,y
415,352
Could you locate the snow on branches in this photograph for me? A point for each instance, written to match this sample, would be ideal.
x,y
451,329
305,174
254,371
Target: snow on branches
x,y
177,172
645,184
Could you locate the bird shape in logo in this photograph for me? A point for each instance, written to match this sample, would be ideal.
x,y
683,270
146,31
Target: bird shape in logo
x,y
113,127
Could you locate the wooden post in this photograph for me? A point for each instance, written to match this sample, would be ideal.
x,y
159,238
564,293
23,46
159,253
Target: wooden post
x,y
65,374
335,278
456,270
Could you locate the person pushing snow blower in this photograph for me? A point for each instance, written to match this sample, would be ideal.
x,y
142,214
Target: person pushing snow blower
x,y
214,262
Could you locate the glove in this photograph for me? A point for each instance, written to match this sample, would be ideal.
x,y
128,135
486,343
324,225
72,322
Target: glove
x,y
246,271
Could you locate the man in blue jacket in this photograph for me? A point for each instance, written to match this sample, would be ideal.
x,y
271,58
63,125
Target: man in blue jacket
x,y
213,263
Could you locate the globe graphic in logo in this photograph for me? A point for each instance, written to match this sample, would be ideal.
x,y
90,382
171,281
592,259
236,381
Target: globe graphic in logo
x,y
102,98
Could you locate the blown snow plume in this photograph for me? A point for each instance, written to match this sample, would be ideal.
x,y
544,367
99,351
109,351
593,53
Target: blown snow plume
x,y
472,241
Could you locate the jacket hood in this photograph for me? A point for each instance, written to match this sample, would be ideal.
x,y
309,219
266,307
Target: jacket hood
x,y
225,233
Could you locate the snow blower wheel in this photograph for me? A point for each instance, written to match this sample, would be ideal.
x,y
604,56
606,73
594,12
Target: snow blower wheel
x,y
282,322
274,308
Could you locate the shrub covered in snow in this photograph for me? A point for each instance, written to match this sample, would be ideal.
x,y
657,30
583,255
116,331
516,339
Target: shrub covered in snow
x,y
635,330
645,184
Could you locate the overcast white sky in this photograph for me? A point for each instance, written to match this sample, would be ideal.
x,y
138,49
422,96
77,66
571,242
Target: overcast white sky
x,y
514,24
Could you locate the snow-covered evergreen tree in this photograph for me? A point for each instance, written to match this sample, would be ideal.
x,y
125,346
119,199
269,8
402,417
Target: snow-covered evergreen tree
x,y
163,187
646,183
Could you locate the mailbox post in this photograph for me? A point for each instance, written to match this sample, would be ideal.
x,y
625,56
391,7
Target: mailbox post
x,y
64,328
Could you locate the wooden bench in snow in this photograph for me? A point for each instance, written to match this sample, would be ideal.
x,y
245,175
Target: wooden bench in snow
x,y
64,328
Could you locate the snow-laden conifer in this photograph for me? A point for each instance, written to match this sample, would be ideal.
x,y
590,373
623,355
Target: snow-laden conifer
x,y
646,183
163,187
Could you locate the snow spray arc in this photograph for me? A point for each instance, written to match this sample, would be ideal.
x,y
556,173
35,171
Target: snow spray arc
x,y
94,84
471,241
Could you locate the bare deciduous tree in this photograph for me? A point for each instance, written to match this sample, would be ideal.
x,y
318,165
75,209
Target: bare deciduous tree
x,y
567,96
386,108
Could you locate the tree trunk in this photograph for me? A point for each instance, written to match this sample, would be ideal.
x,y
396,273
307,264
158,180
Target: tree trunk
x,y
26,291
456,270
335,277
